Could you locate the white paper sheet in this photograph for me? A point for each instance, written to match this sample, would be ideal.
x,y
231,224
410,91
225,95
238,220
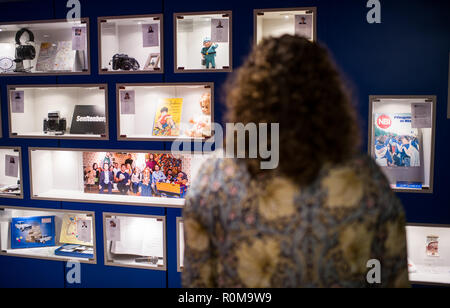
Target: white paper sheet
x,y
17,101
84,230
12,166
127,102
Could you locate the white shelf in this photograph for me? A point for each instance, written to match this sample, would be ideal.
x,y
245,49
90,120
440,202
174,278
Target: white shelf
x,y
42,252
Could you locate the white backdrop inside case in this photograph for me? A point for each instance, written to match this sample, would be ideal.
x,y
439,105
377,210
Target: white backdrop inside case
x,y
277,24
4,179
124,36
191,31
429,269
404,106
40,101
147,98
43,33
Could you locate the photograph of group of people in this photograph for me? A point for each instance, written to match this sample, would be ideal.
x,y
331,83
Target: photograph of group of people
x,y
136,174
397,151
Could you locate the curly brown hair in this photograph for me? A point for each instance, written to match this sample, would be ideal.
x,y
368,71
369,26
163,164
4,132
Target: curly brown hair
x,y
292,81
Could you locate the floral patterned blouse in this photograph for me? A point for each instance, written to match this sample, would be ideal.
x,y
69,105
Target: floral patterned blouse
x,y
269,232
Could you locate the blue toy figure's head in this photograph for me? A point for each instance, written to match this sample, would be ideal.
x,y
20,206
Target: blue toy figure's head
x,y
207,42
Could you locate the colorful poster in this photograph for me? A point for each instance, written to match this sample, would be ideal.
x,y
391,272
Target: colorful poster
x,y
17,101
31,232
219,30
304,25
150,35
168,117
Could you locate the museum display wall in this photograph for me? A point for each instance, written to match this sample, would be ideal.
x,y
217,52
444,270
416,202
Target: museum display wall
x,y
60,180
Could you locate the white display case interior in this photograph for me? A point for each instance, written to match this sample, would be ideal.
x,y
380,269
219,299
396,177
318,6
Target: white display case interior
x,y
59,111
48,234
131,44
278,22
165,111
10,173
401,140
428,253
161,179
180,244
203,42
137,241
46,47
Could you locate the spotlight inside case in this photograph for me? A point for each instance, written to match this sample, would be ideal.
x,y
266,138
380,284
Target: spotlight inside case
x,y
54,124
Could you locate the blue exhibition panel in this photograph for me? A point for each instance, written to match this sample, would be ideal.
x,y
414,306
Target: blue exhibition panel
x,y
407,54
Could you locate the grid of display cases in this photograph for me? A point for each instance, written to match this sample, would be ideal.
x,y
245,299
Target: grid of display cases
x,y
11,172
278,22
131,44
48,234
203,42
48,47
165,111
428,253
161,178
137,241
401,140
180,244
58,111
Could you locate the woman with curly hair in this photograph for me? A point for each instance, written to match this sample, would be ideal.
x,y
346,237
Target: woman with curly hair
x,y
321,215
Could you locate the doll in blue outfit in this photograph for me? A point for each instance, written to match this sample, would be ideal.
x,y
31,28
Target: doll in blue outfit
x,y
209,52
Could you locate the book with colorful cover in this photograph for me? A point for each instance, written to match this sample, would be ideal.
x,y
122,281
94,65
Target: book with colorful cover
x,y
168,117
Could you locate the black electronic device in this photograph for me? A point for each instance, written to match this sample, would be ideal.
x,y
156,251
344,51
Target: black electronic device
x,y
55,124
124,62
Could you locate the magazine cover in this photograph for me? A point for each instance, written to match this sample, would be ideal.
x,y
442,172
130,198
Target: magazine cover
x,y
32,232
168,117
69,232
397,149
432,247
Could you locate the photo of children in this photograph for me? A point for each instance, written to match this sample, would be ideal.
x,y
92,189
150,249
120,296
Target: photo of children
x,y
396,144
168,117
136,174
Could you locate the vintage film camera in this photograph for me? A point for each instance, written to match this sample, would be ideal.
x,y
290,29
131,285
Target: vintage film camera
x,y
124,62
54,124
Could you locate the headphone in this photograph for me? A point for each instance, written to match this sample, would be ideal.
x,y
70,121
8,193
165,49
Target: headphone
x,y
25,52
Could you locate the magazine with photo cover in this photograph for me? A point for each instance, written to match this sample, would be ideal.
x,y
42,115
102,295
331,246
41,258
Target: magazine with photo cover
x,y
397,149
432,246
168,117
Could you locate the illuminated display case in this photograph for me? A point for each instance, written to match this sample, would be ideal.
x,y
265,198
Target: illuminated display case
x,y
58,111
131,44
203,42
49,47
401,140
180,244
10,172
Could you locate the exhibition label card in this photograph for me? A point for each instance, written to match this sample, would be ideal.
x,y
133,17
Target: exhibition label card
x,y
12,166
150,35
304,26
421,115
84,230
113,229
78,38
219,30
17,101
127,102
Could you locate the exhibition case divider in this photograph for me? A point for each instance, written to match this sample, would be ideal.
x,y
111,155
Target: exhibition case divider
x,y
66,111
54,47
120,54
180,244
221,33
190,107
285,21
402,140
448,96
48,234
147,252
12,174
428,253
76,175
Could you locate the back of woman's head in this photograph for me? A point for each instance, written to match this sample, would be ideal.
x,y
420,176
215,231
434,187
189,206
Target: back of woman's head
x,y
292,81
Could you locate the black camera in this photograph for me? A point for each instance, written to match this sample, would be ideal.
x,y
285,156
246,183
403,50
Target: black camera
x,y
55,124
124,62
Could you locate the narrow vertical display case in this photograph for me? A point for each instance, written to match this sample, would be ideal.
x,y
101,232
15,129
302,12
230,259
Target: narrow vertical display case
x,y
48,47
49,234
278,22
180,244
203,42
182,111
58,111
131,44
137,241
11,172
401,140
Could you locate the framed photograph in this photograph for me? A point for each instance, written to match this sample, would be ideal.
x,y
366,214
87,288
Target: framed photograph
x,y
152,61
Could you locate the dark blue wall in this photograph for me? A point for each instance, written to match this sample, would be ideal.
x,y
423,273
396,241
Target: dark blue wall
x,y
407,54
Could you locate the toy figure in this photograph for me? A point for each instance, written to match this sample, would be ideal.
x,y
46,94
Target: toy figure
x,y
165,123
209,52
202,123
